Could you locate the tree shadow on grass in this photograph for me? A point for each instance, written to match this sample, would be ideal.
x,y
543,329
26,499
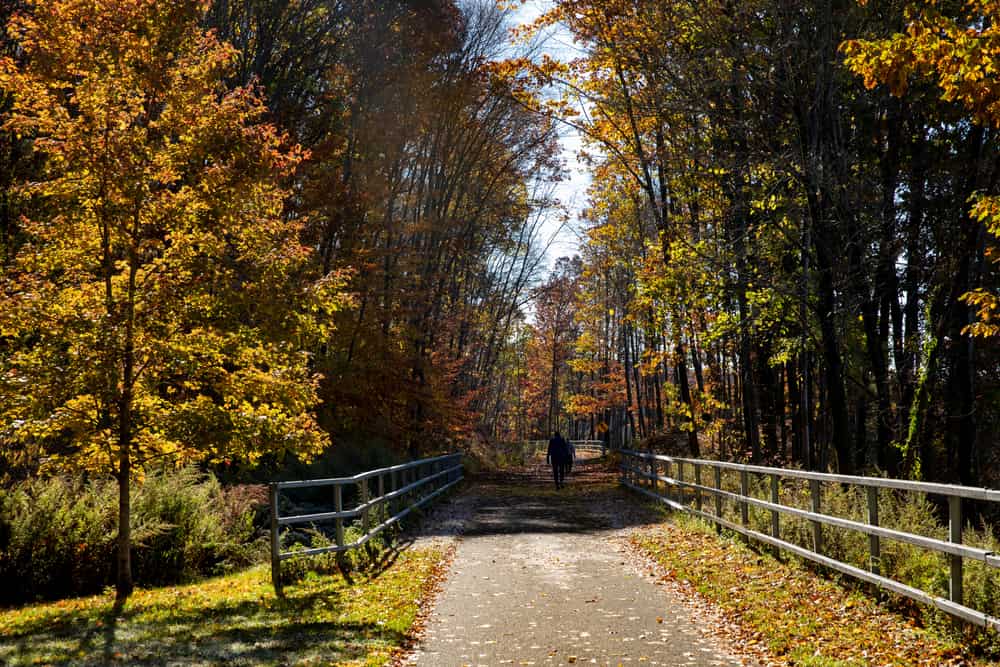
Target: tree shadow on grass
x,y
378,561
386,558
303,626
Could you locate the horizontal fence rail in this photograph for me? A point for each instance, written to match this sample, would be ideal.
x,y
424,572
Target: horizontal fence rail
x,y
589,446
580,445
681,484
402,488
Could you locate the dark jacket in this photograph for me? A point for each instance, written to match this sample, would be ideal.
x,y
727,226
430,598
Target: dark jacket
x,y
558,451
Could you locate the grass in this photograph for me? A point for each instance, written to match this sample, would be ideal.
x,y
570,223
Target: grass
x,y
234,619
784,608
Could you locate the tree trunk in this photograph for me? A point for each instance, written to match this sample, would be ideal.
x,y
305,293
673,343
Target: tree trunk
x,y
835,395
907,352
795,407
751,426
682,376
779,399
623,334
123,579
960,399
768,416
639,406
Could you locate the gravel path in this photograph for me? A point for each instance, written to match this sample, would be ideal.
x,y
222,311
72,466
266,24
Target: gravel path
x,y
543,578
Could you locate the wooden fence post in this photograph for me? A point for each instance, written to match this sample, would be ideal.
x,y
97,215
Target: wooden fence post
x,y
363,491
775,499
272,493
874,549
955,535
697,481
415,491
383,509
817,527
744,506
338,506
718,497
680,482
668,487
393,486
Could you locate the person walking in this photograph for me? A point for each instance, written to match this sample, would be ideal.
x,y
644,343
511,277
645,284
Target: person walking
x,y
558,457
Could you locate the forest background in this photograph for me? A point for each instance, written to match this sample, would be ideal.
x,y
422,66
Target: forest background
x,y
247,235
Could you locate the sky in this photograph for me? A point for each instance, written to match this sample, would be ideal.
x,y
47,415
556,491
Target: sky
x,y
572,192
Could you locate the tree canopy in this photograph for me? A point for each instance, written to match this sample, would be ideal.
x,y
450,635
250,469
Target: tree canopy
x,y
246,233
790,228
238,232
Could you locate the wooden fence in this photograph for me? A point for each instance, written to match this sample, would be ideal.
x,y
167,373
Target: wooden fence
x,y
590,446
407,486
684,487
580,445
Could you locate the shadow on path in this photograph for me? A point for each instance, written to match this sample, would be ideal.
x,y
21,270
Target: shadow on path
x,y
540,577
523,500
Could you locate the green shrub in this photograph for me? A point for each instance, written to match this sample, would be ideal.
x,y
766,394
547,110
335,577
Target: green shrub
x,y
345,562
900,510
57,535
186,525
56,538
981,581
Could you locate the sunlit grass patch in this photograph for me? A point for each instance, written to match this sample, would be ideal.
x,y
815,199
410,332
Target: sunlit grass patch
x,y
799,617
234,619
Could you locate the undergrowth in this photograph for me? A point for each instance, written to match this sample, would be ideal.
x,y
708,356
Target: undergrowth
x,y
344,562
57,534
784,609
900,510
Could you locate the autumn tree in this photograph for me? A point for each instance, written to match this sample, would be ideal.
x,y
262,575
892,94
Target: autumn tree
x,y
600,398
556,330
16,161
161,306
427,180
949,53
794,275
432,184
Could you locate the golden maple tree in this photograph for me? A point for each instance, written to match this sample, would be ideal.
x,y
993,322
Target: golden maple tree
x,y
162,304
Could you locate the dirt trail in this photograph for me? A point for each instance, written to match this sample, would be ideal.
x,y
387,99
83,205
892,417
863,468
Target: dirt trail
x,y
543,577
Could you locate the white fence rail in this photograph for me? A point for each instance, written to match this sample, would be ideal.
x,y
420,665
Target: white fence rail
x,y
412,484
580,445
590,446
684,488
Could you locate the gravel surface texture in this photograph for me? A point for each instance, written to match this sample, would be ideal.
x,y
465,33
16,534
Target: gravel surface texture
x,y
542,577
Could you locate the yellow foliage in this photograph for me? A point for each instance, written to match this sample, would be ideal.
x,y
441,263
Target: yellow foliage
x,y
163,299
